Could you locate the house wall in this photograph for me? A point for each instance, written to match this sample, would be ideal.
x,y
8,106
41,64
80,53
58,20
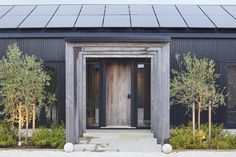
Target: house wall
x,y
223,52
52,51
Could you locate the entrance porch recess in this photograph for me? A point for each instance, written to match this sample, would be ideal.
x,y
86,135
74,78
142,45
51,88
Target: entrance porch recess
x,y
118,93
117,85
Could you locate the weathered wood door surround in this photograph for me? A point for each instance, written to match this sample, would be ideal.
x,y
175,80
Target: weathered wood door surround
x,y
139,47
118,94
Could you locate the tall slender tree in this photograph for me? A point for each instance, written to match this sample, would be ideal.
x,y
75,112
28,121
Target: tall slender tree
x,y
22,82
50,91
194,85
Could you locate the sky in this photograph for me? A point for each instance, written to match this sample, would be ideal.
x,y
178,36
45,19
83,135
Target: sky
x,y
14,2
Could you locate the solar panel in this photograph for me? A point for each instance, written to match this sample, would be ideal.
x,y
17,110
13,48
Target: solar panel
x,y
39,17
171,21
190,10
224,21
20,10
141,9
44,10
219,16
144,21
62,21
165,10
4,9
118,15
231,9
89,21
117,9
169,16
92,9
35,22
198,21
194,16
11,21
68,10
116,21
213,10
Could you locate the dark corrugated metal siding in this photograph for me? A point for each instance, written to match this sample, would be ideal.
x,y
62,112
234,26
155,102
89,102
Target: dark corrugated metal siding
x,y
222,51
52,50
60,90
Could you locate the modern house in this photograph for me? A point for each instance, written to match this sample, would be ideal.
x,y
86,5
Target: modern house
x,y
113,62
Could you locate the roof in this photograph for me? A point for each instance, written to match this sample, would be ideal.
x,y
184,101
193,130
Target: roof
x,y
117,16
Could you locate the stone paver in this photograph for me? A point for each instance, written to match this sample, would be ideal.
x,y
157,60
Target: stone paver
x,y
118,141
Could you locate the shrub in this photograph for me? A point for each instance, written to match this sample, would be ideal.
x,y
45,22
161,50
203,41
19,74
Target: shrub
x,y
7,135
49,138
181,138
40,138
58,137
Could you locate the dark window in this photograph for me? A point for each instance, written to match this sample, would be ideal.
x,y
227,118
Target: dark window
x,y
93,94
143,94
231,105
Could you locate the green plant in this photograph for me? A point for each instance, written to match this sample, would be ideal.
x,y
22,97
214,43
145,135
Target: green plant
x,y
22,82
181,138
40,138
49,138
7,135
194,85
230,139
50,99
57,138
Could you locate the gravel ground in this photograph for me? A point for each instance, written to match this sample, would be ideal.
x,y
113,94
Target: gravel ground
x,y
58,153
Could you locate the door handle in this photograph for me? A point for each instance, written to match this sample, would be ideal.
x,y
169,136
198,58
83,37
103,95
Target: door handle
x,y
129,96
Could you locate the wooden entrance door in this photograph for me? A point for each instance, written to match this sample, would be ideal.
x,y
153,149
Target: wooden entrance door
x,y
118,92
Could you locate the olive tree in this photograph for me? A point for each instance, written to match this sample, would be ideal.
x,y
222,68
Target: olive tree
x,y
194,85
22,82
50,99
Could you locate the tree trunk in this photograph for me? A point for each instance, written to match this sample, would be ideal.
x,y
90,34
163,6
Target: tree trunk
x,y
27,125
193,119
209,120
33,121
199,118
51,114
19,126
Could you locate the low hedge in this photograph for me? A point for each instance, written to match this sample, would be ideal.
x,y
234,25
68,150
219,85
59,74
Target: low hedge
x,y
49,138
181,137
7,134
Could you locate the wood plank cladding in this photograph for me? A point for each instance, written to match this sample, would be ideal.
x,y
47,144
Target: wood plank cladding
x,y
118,87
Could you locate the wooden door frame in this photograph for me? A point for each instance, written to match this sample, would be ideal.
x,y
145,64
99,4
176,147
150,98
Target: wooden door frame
x,y
102,103
76,54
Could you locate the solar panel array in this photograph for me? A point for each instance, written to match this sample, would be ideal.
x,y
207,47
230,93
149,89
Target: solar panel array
x,y
122,16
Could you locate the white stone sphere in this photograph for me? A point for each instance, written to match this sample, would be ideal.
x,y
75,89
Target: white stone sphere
x,y
167,148
68,147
